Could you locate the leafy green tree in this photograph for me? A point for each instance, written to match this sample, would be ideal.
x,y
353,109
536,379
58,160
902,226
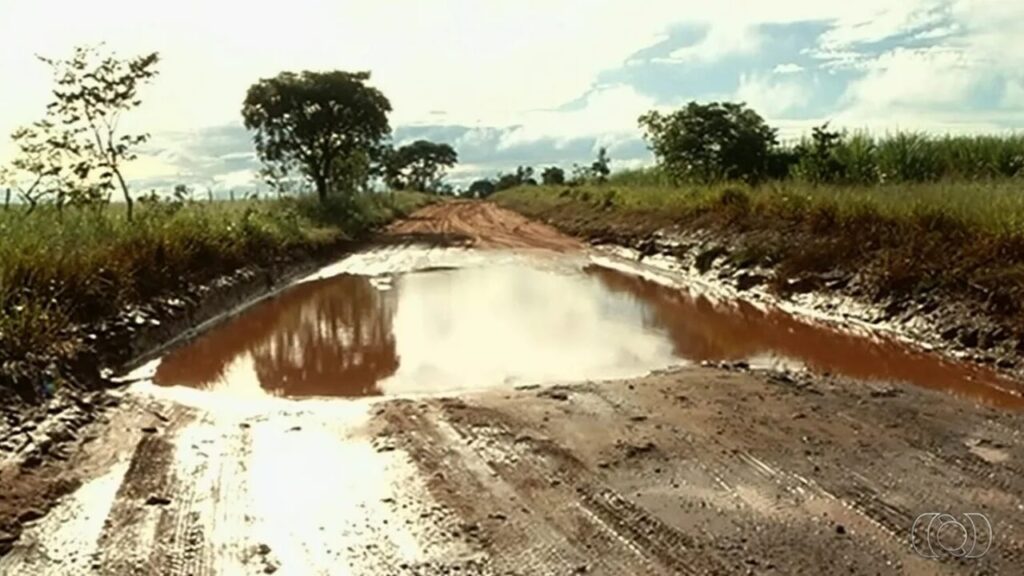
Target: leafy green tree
x,y
93,93
817,159
481,188
419,166
36,169
321,123
552,176
711,142
523,176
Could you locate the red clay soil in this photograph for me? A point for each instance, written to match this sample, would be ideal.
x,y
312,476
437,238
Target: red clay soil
x,y
485,225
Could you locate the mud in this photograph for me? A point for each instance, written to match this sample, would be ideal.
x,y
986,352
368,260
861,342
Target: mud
x,y
767,465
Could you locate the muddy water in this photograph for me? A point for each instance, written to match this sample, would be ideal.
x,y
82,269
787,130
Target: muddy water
x,y
704,330
424,332
449,328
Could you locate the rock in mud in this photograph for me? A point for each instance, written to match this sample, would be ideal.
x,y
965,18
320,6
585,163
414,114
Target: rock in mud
x,y
554,395
634,450
746,281
970,339
30,515
33,461
157,500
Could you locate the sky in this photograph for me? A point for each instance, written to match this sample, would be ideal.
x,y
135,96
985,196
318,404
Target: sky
x,y
532,82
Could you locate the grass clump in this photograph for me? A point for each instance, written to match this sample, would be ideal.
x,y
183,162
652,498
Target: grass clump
x,y
59,270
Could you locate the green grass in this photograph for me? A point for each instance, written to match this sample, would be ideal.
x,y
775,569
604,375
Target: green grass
x,y
995,206
964,239
58,271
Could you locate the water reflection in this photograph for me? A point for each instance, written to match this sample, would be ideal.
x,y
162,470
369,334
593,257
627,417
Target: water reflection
x,y
325,338
431,331
507,324
702,330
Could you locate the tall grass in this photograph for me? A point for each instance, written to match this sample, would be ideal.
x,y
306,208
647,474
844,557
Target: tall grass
x,y
902,157
963,238
61,269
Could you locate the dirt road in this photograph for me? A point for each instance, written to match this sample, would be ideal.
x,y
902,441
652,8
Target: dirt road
x,y
485,225
693,470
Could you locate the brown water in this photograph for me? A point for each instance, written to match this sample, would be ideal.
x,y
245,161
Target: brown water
x,y
509,324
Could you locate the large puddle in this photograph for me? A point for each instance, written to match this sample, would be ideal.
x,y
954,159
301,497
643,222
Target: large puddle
x,y
515,322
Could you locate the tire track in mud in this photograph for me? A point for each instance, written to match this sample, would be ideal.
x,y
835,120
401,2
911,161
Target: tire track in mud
x,y
567,520
153,526
123,544
463,482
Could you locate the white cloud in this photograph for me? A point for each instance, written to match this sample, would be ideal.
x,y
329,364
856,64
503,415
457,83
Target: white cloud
x,y
788,68
721,40
609,113
938,32
876,23
915,77
772,97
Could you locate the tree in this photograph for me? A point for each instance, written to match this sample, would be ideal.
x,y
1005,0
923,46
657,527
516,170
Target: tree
x,y
481,188
523,176
600,168
711,142
37,164
419,166
552,176
93,93
817,159
322,123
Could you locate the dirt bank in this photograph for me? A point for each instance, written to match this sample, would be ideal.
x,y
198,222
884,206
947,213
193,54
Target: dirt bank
x,y
696,470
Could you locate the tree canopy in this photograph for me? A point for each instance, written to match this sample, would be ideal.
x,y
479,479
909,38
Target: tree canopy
x,y
328,125
420,165
552,176
481,188
711,142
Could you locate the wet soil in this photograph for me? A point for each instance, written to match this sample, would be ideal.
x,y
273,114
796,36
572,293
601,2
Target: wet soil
x,y
807,450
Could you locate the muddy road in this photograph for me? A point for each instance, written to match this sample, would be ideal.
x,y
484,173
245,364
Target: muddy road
x,y
521,404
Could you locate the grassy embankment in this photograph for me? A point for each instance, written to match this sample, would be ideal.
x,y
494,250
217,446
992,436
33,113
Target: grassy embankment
x,y
960,239
59,272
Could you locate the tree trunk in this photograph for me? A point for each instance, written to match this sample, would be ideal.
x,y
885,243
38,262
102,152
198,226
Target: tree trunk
x,y
7,199
124,190
321,189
